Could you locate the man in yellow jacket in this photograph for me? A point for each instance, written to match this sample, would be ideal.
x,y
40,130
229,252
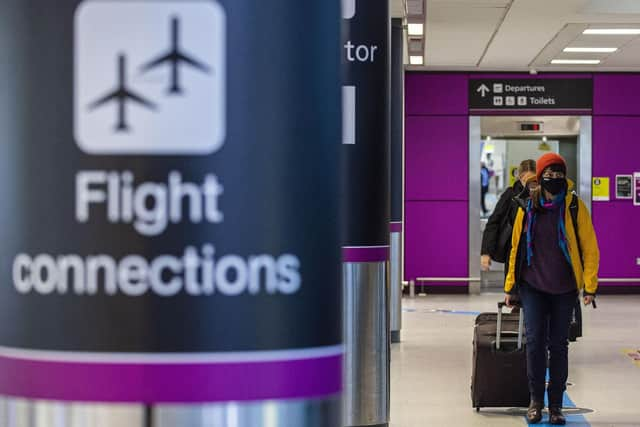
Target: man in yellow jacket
x,y
554,256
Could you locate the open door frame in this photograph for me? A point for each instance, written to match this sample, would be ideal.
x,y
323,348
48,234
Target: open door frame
x,y
583,186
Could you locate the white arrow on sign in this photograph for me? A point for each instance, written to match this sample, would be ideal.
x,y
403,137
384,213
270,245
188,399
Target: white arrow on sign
x,y
483,90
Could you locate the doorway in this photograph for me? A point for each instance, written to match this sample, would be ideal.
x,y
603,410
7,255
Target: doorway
x,y
497,145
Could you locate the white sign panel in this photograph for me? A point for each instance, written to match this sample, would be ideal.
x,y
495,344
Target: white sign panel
x,y
150,77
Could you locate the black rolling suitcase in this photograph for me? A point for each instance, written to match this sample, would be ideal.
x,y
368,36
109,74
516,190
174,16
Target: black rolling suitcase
x,y
499,377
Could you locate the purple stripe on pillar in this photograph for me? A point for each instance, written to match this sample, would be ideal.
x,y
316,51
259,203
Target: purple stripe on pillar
x,y
395,227
171,383
365,253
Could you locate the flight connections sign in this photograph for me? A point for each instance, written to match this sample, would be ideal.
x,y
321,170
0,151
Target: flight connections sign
x,y
171,220
149,211
531,94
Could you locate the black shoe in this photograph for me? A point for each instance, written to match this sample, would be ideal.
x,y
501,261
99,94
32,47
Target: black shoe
x,y
534,413
556,417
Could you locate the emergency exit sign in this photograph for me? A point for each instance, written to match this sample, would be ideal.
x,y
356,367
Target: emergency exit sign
x,y
531,94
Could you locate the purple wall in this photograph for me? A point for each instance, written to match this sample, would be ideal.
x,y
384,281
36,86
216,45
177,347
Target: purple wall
x,y
437,170
436,94
616,150
436,198
436,143
616,94
436,227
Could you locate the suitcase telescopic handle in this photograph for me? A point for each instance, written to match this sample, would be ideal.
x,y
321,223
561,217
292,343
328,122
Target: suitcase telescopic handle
x,y
501,305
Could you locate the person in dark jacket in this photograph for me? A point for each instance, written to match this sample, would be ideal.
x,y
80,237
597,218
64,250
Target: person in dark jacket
x,y
506,206
485,175
553,258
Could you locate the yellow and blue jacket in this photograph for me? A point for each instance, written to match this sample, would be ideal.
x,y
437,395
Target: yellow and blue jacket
x,y
585,267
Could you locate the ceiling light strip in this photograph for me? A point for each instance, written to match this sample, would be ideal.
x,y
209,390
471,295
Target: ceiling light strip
x,y
612,31
575,61
590,49
415,29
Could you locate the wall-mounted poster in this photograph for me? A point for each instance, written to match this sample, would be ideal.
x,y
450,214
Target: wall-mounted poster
x,y
600,189
624,186
636,188
513,175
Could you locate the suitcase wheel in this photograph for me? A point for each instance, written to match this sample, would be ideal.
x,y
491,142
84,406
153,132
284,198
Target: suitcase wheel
x,y
477,409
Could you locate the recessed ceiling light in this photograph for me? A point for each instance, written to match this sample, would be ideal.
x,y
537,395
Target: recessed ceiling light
x,y
416,29
612,31
416,60
590,49
576,61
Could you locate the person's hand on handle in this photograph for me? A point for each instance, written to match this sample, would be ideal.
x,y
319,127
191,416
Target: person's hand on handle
x,y
509,300
588,299
485,262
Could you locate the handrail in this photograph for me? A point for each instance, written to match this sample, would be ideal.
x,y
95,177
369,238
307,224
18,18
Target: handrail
x,y
448,279
478,279
412,283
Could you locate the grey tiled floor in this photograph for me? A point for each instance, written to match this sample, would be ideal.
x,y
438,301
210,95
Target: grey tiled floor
x,y
431,368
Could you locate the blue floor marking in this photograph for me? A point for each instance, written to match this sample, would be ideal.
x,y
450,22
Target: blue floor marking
x,y
467,313
574,420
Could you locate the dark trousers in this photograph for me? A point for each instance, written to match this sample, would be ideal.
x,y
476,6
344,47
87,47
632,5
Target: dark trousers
x,y
483,192
547,318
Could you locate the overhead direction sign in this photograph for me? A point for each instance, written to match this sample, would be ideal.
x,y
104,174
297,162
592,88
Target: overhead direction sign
x,y
530,94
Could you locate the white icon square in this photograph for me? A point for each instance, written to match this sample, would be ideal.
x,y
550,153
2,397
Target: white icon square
x,y
522,100
498,101
497,88
510,101
149,77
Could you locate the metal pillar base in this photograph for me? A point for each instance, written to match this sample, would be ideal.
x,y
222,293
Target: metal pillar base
x,y
395,284
313,413
366,340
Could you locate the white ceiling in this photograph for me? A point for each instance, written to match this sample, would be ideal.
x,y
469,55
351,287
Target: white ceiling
x,y
398,8
523,34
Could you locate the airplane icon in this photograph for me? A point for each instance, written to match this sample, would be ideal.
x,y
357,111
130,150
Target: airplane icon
x,y
175,57
121,95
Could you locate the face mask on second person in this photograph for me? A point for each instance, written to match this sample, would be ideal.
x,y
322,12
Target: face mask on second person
x,y
528,180
529,189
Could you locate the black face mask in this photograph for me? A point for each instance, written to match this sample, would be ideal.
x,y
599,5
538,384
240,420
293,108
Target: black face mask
x,y
554,185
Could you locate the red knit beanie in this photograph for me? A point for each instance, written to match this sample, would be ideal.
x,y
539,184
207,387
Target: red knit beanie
x,y
547,160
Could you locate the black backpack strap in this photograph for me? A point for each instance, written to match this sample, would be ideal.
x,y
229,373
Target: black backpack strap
x,y
520,203
573,210
576,324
